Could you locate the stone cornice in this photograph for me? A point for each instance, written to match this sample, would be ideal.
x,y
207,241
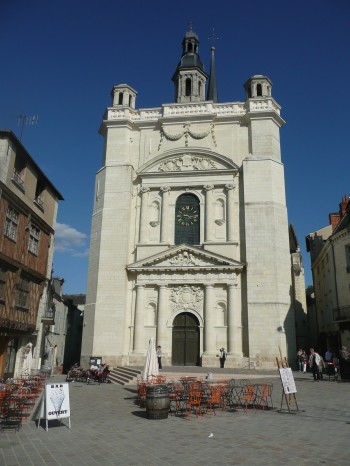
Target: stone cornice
x,y
207,109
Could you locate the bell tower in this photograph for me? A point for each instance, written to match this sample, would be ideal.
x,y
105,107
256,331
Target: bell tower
x,y
190,78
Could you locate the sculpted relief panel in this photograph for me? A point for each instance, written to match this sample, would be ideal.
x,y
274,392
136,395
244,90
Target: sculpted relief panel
x,y
186,297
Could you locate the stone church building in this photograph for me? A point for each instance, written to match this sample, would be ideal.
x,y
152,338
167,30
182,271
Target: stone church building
x,y
189,238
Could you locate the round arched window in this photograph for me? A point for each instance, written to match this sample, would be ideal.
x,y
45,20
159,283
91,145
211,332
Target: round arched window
x,y
187,220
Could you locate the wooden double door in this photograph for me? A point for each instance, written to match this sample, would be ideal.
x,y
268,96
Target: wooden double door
x,y
185,351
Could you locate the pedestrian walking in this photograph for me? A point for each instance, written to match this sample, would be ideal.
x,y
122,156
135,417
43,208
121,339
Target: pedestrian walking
x,y
314,360
300,359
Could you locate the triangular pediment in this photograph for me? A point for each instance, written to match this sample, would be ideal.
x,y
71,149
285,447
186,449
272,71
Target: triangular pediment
x,y
187,160
185,257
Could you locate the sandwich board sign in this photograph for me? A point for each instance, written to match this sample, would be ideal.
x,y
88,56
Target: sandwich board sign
x,y
55,403
287,379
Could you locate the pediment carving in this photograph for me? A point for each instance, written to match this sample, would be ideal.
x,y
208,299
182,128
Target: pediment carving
x,y
185,257
184,160
188,162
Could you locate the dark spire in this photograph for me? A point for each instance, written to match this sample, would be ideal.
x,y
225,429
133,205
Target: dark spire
x,y
212,93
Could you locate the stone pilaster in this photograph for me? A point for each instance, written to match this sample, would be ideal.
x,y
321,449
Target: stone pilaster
x,y
162,317
229,212
139,318
143,238
234,321
164,235
209,214
209,320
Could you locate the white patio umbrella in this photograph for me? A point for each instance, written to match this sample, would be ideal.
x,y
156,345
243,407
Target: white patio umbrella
x,y
151,363
28,358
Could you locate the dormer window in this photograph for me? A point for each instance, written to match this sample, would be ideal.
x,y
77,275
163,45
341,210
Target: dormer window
x,y
18,172
39,195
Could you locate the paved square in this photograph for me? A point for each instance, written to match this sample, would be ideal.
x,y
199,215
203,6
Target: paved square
x,y
109,428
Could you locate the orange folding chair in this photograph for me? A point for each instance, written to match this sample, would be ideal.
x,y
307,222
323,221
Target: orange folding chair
x,y
214,400
248,397
194,403
264,395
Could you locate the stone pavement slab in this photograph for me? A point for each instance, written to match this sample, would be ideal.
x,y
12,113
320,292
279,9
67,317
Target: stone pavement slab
x,y
109,428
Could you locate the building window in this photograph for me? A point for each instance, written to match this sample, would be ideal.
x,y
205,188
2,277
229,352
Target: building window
x,y
18,172
347,253
120,100
3,278
22,293
39,195
34,236
12,348
188,87
11,223
187,220
259,90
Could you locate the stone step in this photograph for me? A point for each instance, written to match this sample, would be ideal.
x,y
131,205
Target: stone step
x,y
124,375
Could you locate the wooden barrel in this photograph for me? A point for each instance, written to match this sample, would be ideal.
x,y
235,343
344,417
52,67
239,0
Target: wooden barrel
x,y
157,402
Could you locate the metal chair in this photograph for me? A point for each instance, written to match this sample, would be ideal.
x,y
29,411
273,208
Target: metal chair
x,y
248,397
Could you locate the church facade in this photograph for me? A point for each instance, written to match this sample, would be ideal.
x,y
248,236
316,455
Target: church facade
x,y
189,237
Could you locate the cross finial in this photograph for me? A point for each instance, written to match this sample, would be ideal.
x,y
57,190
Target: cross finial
x,y
190,25
213,38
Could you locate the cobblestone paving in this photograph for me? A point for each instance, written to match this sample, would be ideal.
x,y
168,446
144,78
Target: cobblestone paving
x,y
109,428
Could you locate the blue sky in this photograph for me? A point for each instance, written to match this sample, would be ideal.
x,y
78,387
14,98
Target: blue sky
x,y
60,60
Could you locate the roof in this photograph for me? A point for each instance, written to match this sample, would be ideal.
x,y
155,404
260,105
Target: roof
x,y
11,135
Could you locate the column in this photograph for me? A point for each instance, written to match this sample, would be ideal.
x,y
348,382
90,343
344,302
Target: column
x,y
139,318
143,237
165,214
209,321
234,320
230,211
162,314
209,230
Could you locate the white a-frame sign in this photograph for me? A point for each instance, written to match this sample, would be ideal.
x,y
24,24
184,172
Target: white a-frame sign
x,y
55,404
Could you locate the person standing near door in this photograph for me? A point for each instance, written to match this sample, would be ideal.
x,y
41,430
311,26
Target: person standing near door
x,y
159,357
222,357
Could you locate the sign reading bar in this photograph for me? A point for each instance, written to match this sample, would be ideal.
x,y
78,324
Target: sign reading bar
x,y
287,380
57,401
55,404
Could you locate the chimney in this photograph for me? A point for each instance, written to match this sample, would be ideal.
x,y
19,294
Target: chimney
x,y
334,219
343,205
